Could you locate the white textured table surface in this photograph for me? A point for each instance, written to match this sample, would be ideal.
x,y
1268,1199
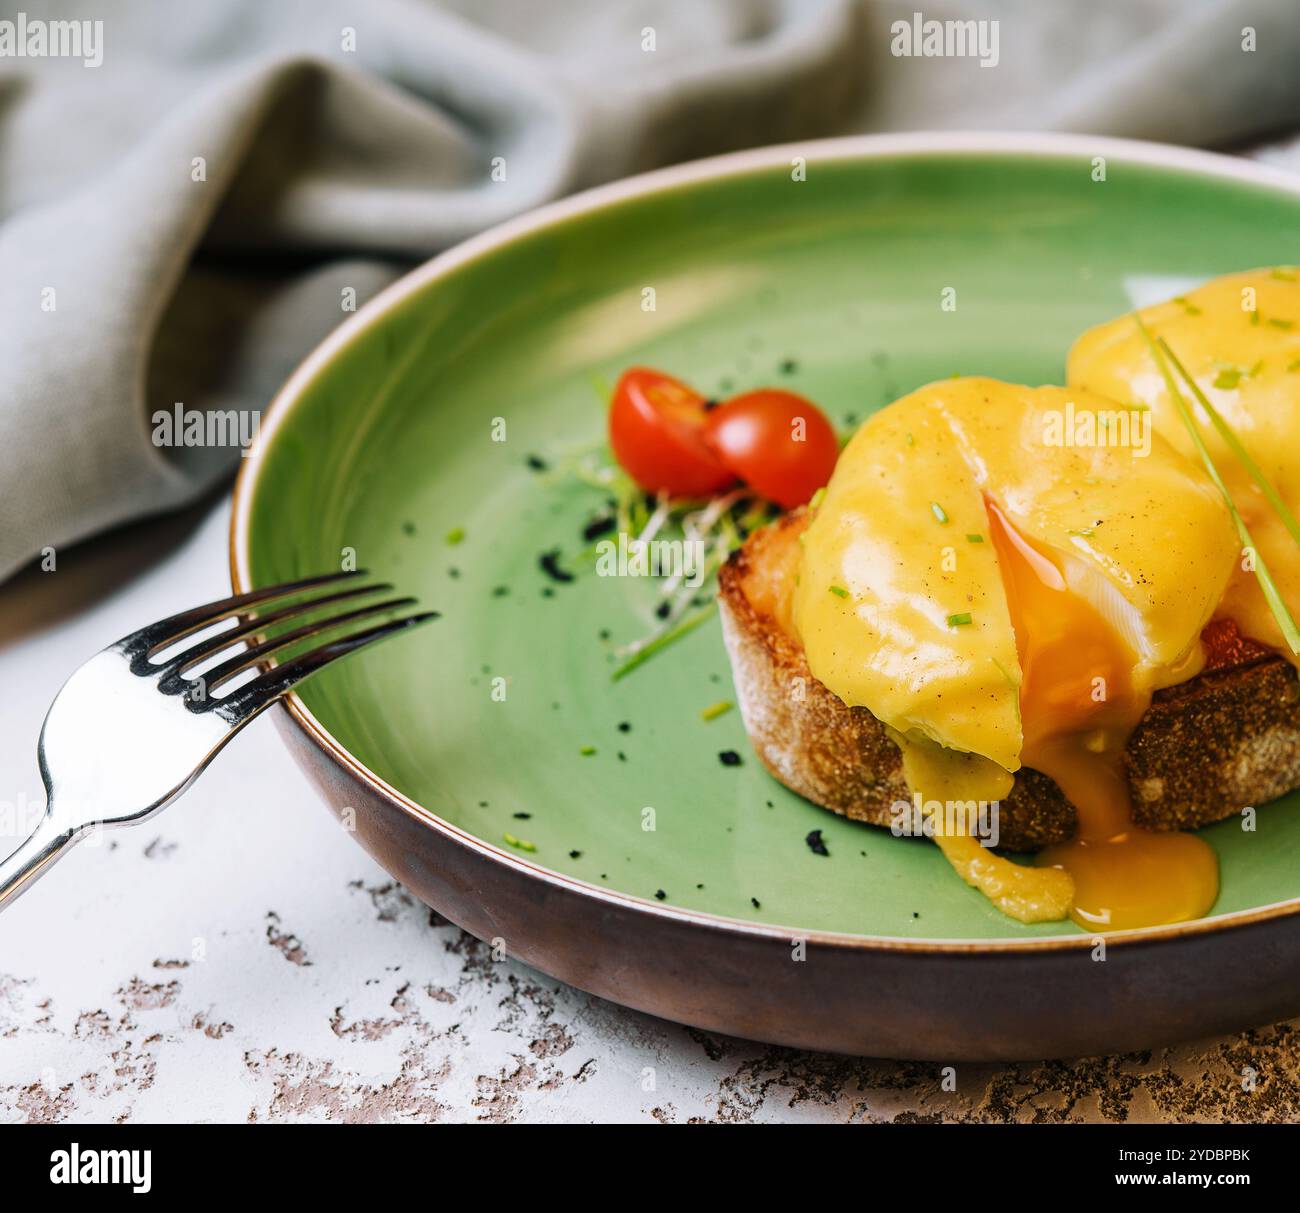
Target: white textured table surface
x,y
240,958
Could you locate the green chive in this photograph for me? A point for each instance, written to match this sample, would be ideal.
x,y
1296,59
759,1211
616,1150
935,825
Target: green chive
x,y
937,510
838,590
910,440
456,535
1282,275
663,640
974,538
1228,378
1266,584
1285,325
587,751
521,843
714,710
956,621
817,498
1086,531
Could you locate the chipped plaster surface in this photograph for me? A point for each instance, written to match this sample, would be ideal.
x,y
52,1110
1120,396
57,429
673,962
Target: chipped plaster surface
x,y
240,959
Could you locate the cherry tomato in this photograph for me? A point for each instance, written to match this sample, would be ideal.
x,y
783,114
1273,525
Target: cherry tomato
x,y
778,443
656,430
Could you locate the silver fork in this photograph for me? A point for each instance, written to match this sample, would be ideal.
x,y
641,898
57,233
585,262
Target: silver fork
x,y
127,734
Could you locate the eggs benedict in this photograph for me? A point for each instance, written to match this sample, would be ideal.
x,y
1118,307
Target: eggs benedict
x,y
1004,590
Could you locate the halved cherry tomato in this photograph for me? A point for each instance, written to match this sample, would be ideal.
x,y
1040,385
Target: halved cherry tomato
x,y
778,443
656,430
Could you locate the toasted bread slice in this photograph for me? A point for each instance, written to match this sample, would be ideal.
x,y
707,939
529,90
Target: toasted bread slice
x,y
1204,750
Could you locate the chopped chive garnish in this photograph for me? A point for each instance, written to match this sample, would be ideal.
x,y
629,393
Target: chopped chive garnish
x,y
456,535
521,843
1085,531
974,538
1231,441
663,640
1294,366
817,498
714,710
1190,308
937,510
1283,275
587,751
1228,378
910,440
956,621
1285,325
838,590
1163,356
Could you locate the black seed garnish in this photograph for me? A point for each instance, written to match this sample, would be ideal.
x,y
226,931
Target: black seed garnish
x,y
621,756
575,854
523,816
624,726
549,562
408,528
815,844
729,758
598,527
536,463
500,591
756,903
710,405
453,572
663,609
548,591
660,894
603,633
789,366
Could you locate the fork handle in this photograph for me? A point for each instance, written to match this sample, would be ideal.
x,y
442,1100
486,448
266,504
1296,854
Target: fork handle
x,y
34,858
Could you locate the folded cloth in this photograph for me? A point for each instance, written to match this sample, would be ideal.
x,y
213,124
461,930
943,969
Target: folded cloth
x,y
185,219
192,196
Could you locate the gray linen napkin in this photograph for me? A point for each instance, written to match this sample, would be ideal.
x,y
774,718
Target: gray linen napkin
x,y
185,202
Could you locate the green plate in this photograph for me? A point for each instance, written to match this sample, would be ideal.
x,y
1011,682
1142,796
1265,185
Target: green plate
x,y
829,285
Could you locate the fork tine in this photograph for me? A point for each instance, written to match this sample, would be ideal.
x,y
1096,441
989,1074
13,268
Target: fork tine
x,y
255,653
242,705
223,640
177,627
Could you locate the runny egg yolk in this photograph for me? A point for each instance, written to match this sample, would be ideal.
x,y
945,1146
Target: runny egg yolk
x,y
1078,705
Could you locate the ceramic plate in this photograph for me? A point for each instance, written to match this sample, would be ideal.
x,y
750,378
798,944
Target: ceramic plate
x,y
413,440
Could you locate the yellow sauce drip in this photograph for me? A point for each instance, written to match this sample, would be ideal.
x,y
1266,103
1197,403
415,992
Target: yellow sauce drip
x,y
1079,702
1024,893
